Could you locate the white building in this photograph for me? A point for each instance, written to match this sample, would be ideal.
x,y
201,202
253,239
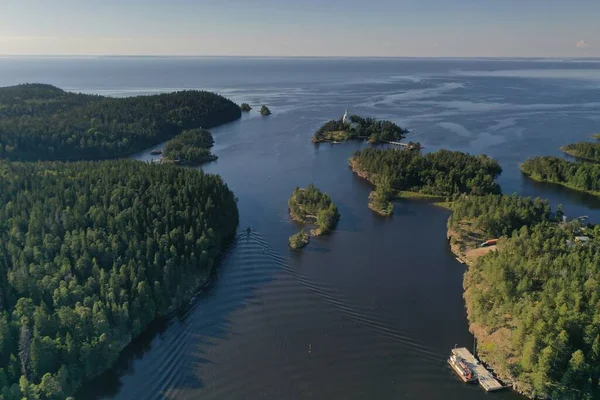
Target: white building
x,y
346,119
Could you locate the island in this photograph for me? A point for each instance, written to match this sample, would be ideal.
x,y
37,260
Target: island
x,y
190,147
401,173
531,292
245,107
585,150
91,253
355,127
299,240
311,206
580,176
596,136
264,111
43,122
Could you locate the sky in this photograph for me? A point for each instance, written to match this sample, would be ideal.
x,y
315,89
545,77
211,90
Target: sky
x,y
367,28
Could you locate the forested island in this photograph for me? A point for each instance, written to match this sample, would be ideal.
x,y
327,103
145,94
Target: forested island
x,y
91,252
264,111
191,147
440,175
534,302
245,107
585,150
311,206
582,176
355,127
43,122
299,240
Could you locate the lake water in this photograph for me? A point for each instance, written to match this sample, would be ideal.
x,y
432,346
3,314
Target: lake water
x,y
372,310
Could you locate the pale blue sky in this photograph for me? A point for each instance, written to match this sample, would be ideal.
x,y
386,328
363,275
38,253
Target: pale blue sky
x,y
470,28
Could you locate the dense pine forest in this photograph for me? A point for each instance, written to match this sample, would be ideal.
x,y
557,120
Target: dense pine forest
x,y
43,122
190,147
534,304
310,205
587,150
443,174
583,176
375,131
90,253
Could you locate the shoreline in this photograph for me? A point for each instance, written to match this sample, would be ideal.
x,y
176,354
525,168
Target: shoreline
x,y
398,194
465,248
590,192
201,282
573,154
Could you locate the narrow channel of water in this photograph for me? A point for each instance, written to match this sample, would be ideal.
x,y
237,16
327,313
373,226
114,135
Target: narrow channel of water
x,y
372,310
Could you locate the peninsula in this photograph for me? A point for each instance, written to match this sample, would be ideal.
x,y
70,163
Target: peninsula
x,y
436,176
131,242
531,300
311,206
585,150
190,147
355,127
580,176
43,122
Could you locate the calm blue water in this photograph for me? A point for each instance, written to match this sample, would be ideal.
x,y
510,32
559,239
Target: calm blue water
x,y
372,310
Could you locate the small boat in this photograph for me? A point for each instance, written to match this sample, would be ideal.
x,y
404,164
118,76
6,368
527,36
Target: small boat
x,y
156,152
462,369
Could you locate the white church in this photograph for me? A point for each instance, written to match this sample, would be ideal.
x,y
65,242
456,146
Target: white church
x,y
348,121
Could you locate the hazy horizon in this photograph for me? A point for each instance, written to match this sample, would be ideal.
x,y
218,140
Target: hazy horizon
x,y
311,28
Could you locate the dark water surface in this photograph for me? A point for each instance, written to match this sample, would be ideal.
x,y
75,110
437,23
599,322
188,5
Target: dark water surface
x,y
372,310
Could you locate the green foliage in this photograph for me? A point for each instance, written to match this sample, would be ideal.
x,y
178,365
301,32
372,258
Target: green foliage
x,y
548,294
587,150
42,122
583,176
376,131
596,136
245,107
541,288
310,205
380,198
192,146
264,110
443,173
499,215
90,253
299,240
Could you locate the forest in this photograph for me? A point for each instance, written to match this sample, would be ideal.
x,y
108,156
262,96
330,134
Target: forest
x,y
90,253
43,122
299,240
534,304
443,173
375,131
190,147
582,176
586,150
501,215
312,206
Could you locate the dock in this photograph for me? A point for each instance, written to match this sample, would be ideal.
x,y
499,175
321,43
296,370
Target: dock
x,y
484,377
405,145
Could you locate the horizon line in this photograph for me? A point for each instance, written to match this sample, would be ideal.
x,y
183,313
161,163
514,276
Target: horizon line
x,y
284,56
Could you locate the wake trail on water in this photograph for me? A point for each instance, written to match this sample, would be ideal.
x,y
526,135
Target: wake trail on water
x,y
177,359
353,310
